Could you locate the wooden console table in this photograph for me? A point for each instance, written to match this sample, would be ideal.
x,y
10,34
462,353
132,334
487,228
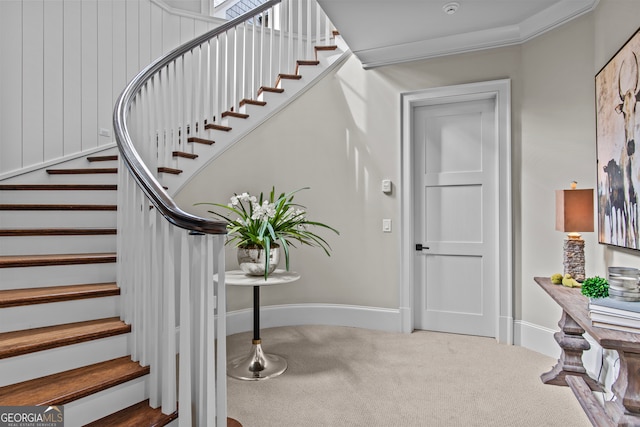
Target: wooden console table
x,y
624,409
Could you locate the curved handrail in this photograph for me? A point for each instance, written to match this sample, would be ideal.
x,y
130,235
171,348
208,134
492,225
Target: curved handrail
x,y
145,179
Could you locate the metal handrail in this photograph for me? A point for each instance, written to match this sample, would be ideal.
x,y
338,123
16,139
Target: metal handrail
x,y
145,179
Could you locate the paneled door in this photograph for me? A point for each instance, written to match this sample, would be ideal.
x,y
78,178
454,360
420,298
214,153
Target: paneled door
x,y
456,216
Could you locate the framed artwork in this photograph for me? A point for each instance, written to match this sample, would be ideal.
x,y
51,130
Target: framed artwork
x,y
617,138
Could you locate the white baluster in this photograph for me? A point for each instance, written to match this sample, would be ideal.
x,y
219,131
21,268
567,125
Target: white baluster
x,y
290,34
155,330
299,33
308,33
168,345
217,246
318,29
272,30
184,388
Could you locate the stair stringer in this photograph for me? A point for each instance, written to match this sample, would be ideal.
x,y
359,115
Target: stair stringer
x,y
276,102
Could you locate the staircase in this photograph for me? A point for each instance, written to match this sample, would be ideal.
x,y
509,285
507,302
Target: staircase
x,y
61,338
209,137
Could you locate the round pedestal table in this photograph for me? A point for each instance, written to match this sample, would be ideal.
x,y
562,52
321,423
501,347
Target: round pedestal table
x,y
257,365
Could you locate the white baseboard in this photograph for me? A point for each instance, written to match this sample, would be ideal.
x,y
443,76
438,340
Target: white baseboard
x,y
383,319
536,338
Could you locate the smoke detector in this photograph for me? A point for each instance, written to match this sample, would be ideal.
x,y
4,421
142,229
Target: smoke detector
x,y
451,8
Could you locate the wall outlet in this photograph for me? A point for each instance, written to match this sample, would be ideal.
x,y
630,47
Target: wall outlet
x,y
104,132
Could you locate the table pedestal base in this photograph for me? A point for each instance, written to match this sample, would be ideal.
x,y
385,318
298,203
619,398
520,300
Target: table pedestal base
x,y
256,365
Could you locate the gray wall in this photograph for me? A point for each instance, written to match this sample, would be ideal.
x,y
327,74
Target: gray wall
x,y
343,137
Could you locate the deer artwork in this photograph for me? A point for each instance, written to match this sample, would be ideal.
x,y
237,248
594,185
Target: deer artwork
x,y
629,96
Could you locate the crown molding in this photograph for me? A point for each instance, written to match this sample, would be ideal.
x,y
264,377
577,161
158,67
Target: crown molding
x,y
548,19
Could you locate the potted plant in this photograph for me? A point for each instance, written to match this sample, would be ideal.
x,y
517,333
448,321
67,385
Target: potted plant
x,y
263,226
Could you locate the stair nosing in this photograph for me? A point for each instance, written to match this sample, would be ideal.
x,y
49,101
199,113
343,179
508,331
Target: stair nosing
x,y
124,417
81,171
28,232
66,393
108,158
56,207
76,334
13,261
195,139
213,126
58,187
51,294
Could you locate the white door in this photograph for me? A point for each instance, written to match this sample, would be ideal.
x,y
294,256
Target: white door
x,y
456,217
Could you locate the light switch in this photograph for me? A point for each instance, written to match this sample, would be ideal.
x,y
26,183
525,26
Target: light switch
x,y
386,186
386,225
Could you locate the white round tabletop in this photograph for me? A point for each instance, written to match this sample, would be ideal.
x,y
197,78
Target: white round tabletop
x,y
278,277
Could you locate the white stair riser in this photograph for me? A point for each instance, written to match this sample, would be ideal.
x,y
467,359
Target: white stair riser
x,y
47,362
58,313
40,176
56,275
327,57
55,219
252,110
38,245
106,402
96,197
91,178
272,98
236,122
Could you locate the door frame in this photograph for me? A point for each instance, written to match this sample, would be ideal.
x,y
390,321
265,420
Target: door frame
x,y
500,91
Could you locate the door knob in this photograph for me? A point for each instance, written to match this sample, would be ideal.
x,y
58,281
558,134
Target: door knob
x,y
419,247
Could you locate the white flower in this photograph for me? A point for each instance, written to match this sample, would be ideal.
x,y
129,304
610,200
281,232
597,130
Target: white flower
x,y
234,202
265,211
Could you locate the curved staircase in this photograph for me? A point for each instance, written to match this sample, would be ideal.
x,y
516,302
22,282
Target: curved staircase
x,y
62,337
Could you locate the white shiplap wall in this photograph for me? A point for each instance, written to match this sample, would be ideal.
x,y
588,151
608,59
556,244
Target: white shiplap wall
x,y
63,63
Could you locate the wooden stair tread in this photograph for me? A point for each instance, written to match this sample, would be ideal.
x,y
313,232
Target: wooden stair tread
x,y
300,63
81,171
252,102
201,140
184,155
173,171
140,414
56,187
29,296
65,387
56,207
16,343
270,89
212,126
289,76
330,47
307,62
57,231
9,261
234,114
102,158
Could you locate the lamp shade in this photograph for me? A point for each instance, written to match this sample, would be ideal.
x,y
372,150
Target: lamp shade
x,y
574,210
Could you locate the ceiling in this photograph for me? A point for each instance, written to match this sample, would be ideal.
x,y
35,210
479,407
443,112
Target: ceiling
x,y
381,32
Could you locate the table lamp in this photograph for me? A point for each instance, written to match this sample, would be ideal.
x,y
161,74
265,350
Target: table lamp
x,y
574,214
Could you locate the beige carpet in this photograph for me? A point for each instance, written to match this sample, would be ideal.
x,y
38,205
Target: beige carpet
x,y
340,376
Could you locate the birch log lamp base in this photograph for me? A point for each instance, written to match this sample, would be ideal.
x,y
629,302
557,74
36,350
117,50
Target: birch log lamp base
x,y
574,214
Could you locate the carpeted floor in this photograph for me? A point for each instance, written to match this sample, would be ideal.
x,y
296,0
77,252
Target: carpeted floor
x,y
340,376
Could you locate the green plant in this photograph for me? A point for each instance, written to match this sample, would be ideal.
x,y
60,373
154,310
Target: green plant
x,y
265,222
595,287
